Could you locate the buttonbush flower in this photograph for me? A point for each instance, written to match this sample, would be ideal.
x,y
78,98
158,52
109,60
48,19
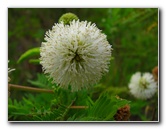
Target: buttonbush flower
x,y
142,86
75,55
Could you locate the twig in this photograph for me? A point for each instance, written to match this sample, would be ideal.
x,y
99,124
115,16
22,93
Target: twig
x,y
27,88
76,107
79,107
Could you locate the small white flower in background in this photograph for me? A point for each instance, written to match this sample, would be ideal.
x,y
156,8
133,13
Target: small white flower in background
x,y
9,70
77,54
142,86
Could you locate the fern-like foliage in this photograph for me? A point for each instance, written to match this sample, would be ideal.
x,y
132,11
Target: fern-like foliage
x,y
57,107
41,107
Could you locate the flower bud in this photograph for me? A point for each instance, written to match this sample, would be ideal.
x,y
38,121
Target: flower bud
x,y
67,18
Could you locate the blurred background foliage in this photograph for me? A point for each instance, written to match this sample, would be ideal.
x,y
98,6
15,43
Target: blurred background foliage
x,y
132,32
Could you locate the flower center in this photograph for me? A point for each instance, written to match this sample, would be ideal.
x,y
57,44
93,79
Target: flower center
x,y
77,57
143,83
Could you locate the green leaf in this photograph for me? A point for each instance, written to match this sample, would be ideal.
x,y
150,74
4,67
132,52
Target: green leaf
x,y
31,108
29,53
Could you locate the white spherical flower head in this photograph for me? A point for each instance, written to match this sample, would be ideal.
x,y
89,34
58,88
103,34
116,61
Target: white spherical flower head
x,y
142,87
77,54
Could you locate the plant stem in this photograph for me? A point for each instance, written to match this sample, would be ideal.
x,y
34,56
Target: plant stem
x,y
27,88
79,107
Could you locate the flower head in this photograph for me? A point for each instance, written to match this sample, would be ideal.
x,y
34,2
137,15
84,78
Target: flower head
x,y
77,54
142,86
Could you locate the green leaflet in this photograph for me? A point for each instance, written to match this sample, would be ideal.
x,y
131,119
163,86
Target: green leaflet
x,y
31,108
29,53
17,109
